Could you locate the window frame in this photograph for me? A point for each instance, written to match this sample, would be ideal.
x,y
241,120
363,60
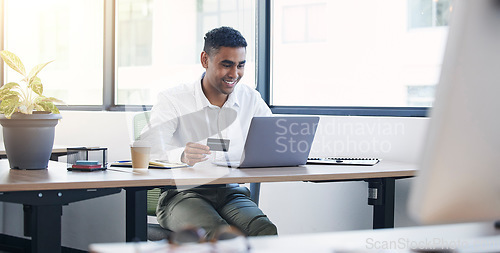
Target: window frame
x,y
263,70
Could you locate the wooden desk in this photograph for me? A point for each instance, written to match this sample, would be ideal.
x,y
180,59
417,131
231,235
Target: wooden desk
x,y
381,182
43,194
56,177
47,190
467,237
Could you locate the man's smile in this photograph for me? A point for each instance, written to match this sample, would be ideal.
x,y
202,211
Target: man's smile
x,y
230,83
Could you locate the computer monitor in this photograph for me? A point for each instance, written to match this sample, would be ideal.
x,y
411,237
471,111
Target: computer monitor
x,y
459,176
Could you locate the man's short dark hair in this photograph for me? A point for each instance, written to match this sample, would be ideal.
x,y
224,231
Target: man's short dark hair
x,y
223,37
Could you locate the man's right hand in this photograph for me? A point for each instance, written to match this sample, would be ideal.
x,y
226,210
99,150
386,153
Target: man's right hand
x,y
195,153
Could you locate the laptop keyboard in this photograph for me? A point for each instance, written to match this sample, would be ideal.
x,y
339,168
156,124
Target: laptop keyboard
x,y
343,161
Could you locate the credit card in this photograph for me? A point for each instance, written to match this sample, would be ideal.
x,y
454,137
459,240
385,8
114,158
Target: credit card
x,y
218,144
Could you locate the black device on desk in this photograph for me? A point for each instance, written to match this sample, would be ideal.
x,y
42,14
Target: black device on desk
x,y
87,158
343,161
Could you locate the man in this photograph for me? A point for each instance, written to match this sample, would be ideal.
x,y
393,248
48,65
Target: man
x,y
214,106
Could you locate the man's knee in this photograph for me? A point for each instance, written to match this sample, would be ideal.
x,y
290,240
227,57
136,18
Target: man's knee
x,y
261,225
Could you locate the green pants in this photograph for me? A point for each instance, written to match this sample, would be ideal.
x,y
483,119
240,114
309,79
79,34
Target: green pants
x,y
210,208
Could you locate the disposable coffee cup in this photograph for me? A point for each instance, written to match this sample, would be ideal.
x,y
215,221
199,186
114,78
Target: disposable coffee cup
x,y
140,153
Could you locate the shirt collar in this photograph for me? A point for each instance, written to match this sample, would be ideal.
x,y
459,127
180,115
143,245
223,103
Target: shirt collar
x,y
203,102
233,99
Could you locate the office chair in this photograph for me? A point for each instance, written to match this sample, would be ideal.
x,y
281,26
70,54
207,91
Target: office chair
x,y
155,231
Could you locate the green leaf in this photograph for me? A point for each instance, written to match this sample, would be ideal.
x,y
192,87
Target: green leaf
x,y
13,61
53,99
6,89
9,105
10,85
32,75
39,107
48,107
36,85
9,93
10,98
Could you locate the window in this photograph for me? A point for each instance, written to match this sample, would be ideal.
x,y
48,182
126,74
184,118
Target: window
x,y
159,43
69,32
420,95
135,35
362,54
300,22
428,13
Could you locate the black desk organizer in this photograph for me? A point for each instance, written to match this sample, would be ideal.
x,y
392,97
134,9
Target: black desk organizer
x,y
98,154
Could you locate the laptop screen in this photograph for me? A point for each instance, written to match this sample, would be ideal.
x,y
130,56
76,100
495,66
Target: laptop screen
x,y
279,141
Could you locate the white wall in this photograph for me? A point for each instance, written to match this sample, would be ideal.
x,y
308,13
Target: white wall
x,y
295,207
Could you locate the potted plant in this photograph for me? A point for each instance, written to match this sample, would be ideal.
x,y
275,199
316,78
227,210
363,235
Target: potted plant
x,y
28,118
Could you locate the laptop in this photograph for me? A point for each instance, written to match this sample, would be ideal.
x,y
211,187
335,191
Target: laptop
x,y
276,141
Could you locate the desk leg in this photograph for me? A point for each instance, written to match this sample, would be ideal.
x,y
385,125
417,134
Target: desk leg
x,y
43,239
255,192
381,196
43,211
136,214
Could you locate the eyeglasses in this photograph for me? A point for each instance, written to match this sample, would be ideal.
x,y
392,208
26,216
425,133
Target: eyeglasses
x,y
225,239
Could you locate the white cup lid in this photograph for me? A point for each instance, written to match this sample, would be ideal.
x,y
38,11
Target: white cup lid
x,y
140,143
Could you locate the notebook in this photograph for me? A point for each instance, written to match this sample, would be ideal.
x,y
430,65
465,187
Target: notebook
x,y
155,164
277,141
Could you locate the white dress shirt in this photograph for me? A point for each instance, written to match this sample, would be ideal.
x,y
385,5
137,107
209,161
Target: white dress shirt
x,y
183,114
